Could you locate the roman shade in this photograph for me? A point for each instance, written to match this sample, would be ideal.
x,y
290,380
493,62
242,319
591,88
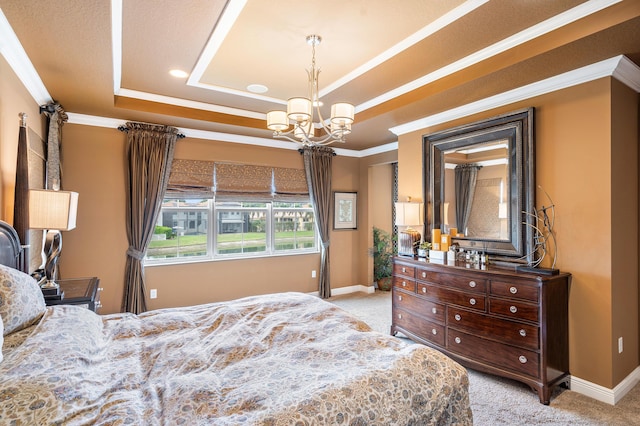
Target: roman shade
x,y
231,181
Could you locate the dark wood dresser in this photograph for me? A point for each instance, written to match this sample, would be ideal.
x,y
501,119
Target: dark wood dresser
x,y
494,320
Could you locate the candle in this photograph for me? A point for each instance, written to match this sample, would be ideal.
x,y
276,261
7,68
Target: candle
x,y
445,242
435,239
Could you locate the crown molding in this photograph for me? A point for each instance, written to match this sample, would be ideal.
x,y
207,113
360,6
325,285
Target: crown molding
x,y
619,67
152,97
114,123
524,36
16,57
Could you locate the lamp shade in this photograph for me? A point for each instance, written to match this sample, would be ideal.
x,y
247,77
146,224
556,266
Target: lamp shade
x,y
342,113
277,120
408,214
299,109
52,209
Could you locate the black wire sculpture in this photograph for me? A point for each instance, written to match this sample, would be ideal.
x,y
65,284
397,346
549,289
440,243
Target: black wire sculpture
x,y
544,238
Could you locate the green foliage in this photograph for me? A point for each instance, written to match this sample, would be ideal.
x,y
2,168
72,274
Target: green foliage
x,y
382,252
164,230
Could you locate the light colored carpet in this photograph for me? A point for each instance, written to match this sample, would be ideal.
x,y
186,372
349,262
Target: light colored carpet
x,y
498,401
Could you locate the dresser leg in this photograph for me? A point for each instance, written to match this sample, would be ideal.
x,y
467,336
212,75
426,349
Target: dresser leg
x,y
544,393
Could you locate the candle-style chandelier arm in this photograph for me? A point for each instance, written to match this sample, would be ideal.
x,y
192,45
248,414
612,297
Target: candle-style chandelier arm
x,y
301,112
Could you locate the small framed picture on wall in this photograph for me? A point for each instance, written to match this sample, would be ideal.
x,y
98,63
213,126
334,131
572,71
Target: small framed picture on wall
x,y
345,210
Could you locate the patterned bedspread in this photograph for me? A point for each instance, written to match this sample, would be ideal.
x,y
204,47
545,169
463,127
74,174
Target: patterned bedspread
x,y
279,359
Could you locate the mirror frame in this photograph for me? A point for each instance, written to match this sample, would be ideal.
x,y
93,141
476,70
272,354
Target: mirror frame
x,y
517,128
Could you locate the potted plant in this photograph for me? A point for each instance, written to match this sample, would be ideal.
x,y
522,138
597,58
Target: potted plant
x,y
382,252
423,249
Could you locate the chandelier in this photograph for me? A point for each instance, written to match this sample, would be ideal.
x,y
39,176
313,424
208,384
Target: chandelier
x,y
301,113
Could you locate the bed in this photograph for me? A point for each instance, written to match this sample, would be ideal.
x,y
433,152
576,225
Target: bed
x,y
279,359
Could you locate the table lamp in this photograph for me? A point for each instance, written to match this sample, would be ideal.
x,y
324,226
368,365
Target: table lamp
x,y
408,214
53,211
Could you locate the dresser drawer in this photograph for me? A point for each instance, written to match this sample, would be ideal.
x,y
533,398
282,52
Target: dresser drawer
x,y
404,283
514,309
425,308
454,297
515,290
502,356
511,332
427,330
404,270
450,280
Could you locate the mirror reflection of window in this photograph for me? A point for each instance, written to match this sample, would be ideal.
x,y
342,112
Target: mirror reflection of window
x,y
488,215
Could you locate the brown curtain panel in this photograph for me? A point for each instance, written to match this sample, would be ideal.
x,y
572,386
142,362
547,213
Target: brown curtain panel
x,y
317,165
150,150
56,117
21,194
466,176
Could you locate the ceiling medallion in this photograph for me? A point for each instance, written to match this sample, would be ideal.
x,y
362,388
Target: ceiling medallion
x,y
301,113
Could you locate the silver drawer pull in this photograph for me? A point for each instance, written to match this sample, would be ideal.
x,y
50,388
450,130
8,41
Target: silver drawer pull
x,y
424,275
404,283
399,316
513,290
399,297
424,289
100,289
523,333
522,359
472,284
434,331
434,310
513,309
458,317
457,340
472,301
404,269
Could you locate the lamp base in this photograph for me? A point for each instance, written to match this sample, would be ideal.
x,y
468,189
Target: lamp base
x,y
50,288
408,241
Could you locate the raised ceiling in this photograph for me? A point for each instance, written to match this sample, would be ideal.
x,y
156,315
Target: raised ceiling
x,y
397,61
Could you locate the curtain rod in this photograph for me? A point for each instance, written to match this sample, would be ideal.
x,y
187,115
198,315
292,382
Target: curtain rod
x,y
124,129
301,151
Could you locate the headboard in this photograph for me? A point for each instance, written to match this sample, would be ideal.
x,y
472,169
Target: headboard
x,y
10,248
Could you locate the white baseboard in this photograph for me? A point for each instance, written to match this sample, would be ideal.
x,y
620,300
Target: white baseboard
x,y
609,396
350,289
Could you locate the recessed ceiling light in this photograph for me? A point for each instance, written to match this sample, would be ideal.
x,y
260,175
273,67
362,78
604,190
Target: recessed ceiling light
x,y
179,73
257,88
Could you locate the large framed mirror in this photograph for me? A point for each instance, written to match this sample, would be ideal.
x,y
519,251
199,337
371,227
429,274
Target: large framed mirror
x,y
479,181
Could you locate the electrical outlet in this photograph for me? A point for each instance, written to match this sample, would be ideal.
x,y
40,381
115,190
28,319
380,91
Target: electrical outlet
x,y
313,274
153,293
620,347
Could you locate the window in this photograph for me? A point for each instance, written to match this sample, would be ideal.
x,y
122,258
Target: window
x,y
190,229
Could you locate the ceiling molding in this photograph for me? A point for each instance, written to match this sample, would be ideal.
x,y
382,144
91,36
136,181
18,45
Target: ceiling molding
x,y
116,44
16,57
229,16
152,97
432,28
628,73
618,65
524,36
114,123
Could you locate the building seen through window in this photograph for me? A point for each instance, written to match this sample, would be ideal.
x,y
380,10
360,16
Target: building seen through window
x,y
202,228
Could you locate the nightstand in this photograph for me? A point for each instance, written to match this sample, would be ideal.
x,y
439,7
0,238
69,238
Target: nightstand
x,y
78,291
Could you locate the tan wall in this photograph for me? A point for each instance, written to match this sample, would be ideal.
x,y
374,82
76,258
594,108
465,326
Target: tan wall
x,y
95,167
624,230
14,99
381,196
574,164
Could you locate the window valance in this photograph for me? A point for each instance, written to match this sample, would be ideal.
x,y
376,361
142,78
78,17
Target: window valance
x,y
225,181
